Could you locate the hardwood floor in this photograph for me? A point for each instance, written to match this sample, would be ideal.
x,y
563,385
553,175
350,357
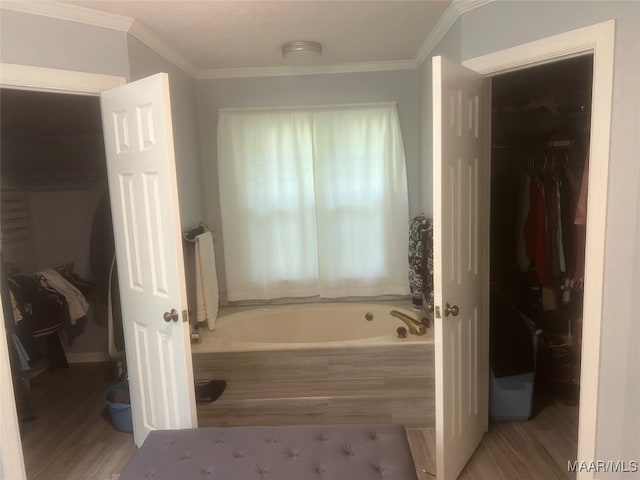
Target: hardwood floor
x,y
71,440
535,450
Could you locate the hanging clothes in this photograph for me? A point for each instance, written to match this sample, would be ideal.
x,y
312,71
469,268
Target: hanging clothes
x,y
559,242
76,303
523,213
551,207
552,256
535,229
581,207
568,227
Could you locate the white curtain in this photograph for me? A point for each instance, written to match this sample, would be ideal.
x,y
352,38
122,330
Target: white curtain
x,y
314,202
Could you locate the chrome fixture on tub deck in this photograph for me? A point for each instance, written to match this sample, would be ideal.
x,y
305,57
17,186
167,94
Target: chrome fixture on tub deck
x,y
415,327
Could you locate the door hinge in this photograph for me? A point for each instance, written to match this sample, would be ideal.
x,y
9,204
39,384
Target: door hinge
x,y
438,312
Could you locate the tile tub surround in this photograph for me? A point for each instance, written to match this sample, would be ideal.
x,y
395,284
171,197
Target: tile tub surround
x,y
360,381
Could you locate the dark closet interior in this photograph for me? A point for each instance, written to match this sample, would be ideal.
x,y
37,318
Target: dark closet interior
x,y
56,219
539,171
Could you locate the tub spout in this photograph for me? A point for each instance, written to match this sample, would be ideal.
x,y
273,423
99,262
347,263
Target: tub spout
x,y
415,327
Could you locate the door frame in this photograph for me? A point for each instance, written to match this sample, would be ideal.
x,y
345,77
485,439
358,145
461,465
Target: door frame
x,y
27,77
598,40
11,458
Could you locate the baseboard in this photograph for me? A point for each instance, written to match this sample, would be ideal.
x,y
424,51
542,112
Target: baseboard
x,y
87,357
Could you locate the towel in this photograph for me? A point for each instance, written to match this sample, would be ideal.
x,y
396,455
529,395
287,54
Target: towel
x,y
77,304
17,315
206,281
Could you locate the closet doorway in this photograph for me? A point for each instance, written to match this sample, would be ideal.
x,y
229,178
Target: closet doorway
x,y
596,40
56,218
541,119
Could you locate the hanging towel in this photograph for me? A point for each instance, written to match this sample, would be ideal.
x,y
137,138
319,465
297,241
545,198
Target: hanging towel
x,y
77,304
206,281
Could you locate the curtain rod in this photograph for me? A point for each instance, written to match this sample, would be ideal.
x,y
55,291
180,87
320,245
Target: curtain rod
x,y
306,107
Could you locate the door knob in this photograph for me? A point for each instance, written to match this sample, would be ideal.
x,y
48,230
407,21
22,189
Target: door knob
x,y
173,315
451,310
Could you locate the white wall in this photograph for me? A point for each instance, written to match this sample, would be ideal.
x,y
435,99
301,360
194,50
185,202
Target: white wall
x,y
451,47
46,42
501,25
399,86
61,225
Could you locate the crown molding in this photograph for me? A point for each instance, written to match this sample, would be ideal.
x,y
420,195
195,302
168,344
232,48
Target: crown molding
x,y
88,16
286,71
73,13
142,33
153,41
448,18
463,6
446,21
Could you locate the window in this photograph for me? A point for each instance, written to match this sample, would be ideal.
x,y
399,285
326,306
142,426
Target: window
x,y
314,202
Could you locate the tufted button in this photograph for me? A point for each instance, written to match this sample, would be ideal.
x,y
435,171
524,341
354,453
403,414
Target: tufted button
x,y
271,440
321,468
240,453
218,441
263,469
378,467
293,453
186,455
374,436
169,441
348,450
323,437
207,472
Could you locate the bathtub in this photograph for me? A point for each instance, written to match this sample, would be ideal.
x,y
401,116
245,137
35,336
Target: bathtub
x,y
318,325
316,364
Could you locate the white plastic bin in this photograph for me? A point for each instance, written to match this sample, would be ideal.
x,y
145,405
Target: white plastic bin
x,y
511,397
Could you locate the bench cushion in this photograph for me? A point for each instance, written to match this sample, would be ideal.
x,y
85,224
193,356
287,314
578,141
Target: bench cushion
x,y
296,452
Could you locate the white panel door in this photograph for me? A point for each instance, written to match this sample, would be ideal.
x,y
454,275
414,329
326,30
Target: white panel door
x,y
144,203
461,163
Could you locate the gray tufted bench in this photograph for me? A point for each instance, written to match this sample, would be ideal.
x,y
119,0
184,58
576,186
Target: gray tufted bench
x,y
296,452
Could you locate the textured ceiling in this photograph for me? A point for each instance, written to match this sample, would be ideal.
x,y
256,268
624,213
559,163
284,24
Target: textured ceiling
x,y
230,34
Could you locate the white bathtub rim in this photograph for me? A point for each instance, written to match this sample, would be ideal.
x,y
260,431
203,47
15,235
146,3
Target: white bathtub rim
x,y
214,343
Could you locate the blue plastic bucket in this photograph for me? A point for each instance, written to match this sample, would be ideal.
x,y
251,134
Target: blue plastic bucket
x,y
120,412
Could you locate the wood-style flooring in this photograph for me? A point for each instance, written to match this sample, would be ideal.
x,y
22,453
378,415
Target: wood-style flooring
x,y
535,450
321,386
71,440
